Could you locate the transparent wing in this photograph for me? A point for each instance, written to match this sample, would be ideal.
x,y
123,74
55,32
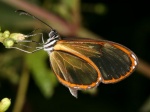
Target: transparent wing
x,y
114,61
73,71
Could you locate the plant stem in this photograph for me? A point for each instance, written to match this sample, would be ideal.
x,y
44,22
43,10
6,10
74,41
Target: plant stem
x,y
23,85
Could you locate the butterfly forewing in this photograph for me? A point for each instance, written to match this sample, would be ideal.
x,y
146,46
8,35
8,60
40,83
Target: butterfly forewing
x,y
113,61
114,64
73,71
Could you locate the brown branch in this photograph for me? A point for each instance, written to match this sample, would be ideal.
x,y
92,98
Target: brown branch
x,y
66,28
144,68
60,24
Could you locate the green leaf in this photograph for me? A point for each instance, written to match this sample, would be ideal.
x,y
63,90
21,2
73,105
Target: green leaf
x,y
43,76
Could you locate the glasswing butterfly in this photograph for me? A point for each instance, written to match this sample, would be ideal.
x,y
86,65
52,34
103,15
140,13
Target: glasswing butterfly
x,y
82,64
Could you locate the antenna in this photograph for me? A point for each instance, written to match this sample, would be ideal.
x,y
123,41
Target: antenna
x,y
26,13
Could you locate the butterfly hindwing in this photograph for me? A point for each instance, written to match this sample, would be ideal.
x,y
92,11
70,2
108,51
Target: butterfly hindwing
x,y
72,71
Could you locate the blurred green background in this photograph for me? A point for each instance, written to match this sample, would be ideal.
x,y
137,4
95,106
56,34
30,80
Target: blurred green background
x,y
27,79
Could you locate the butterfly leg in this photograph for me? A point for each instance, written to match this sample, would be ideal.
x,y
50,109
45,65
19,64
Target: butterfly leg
x,y
31,35
26,41
26,50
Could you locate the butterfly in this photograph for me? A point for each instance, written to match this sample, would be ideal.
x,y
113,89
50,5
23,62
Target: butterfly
x,y
81,64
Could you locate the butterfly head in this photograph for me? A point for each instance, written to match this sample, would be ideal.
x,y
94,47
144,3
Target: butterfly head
x,y
51,41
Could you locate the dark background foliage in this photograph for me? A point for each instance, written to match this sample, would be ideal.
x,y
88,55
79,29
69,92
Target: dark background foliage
x,y
125,22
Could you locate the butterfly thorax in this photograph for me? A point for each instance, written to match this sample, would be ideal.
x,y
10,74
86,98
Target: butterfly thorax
x,y
51,41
